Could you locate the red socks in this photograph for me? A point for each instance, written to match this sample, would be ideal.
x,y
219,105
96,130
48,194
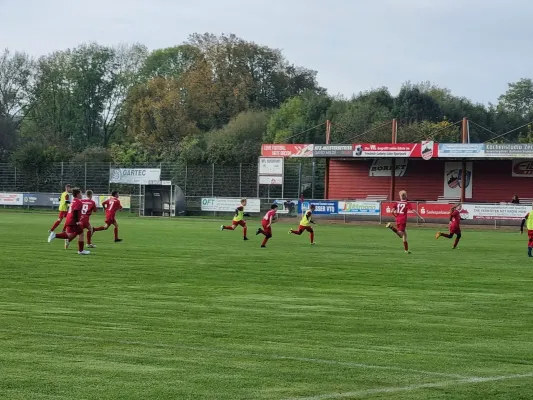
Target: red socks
x,y
116,233
244,231
456,242
99,228
56,224
62,235
446,235
228,227
265,240
81,245
312,237
89,236
406,246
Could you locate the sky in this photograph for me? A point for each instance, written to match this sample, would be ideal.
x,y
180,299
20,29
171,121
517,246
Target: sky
x,y
472,47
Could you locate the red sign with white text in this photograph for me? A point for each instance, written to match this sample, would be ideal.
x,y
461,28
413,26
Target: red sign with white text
x,y
425,150
287,150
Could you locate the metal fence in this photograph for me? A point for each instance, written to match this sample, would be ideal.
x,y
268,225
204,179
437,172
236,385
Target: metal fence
x,y
302,176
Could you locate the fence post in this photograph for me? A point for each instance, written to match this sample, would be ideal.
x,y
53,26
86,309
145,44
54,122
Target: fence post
x,y
213,181
185,191
380,207
299,180
313,181
16,186
62,171
85,180
109,183
240,180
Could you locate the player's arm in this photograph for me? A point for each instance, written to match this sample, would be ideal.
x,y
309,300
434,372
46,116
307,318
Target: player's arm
x,y
523,223
105,203
77,215
309,217
119,205
237,210
67,199
417,214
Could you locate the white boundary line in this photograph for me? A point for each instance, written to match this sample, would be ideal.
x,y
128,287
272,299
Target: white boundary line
x,y
346,364
410,388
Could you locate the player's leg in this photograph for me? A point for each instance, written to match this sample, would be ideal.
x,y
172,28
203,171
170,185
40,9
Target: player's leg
x,y
446,235
297,232
229,227
403,234
457,238
244,230
90,236
68,235
529,243
81,243
268,235
57,222
115,231
311,234
104,227
394,229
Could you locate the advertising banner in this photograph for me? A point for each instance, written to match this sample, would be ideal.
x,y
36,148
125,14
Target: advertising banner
x,y
11,199
435,210
41,199
229,205
135,176
287,150
494,211
124,200
509,150
355,207
452,180
270,166
288,207
425,150
270,180
323,207
332,150
522,169
461,150
382,167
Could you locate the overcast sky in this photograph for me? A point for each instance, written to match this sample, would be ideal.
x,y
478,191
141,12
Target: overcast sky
x,y
473,47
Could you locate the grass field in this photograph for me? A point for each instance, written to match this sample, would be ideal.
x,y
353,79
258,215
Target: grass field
x,y
180,310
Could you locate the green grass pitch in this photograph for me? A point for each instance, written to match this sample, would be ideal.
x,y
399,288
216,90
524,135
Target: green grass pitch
x,y
180,310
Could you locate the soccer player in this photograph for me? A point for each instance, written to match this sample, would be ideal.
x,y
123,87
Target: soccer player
x,y
455,226
238,220
400,210
88,207
528,221
64,202
111,206
73,223
267,222
305,224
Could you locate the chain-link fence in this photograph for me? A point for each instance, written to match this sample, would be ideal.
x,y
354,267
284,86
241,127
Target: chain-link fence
x,y
302,176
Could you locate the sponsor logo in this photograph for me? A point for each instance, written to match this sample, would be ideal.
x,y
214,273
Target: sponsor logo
x,y
427,150
522,168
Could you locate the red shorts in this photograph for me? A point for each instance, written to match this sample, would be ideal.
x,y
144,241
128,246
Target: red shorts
x,y
267,229
110,221
85,224
530,235
455,230
241,223
77,229
401,226
302,228
62,214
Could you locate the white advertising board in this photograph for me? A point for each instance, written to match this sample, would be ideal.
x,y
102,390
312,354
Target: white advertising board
x,y
229,205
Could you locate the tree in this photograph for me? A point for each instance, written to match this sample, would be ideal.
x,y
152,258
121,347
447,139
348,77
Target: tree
x,y
16,73
412,105
518,99
156,118
170,62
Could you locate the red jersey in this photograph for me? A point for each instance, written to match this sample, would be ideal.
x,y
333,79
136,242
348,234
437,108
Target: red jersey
x,y
88,207
111,206
455,218
269,215
74,208
402,208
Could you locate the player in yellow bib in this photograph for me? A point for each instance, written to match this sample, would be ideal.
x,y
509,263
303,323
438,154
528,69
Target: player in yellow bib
x,y
238,220
64,203
528,221
305,224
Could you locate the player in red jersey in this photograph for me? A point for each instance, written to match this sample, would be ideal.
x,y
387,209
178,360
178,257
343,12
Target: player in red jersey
x,y
455,226
73,224
111,206
89,206
400,210
528,221
64,202
266,223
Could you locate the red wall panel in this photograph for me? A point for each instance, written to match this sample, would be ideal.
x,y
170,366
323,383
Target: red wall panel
x,y
424,180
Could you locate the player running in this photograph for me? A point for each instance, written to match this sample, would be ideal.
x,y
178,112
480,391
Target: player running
x,y
238,220
528,221
399,211
111,206
455,225
267,222
305,224
89,206
64,202
73,224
